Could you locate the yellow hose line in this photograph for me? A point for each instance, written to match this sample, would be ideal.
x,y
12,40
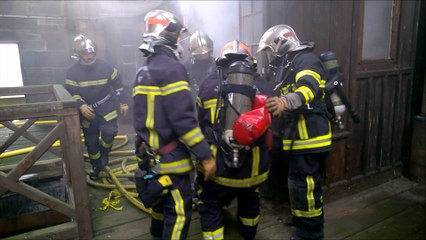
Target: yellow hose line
x,y
110,186
126,193
58,143
44,122
120,172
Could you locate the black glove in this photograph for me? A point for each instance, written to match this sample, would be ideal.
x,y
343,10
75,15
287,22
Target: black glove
x,y
150,187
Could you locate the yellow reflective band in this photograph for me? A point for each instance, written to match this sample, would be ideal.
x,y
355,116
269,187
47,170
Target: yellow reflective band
x,y
193,137
110,116
114,74
210,103
76,97
175,87
306,92
311,73
180,214
317,142
310,186
322,83
301,126
146,90
250,221
157,216
153,140
93,83
307,214
95,156
242,183
71,83
119,89
199,102
217,234
256,161
106,145
176,167
245,182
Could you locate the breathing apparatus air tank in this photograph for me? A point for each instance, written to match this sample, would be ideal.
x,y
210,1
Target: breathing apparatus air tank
x,y
240,94
334,76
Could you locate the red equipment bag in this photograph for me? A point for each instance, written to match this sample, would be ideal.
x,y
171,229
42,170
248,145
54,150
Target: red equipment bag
x,y
259,101
250,125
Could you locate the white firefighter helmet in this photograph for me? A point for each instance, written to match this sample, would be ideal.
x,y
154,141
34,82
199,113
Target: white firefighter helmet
x,y
236,47
200,43
82,46
279,40
162,28
163,24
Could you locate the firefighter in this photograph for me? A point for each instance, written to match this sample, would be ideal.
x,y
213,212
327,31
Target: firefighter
x,y
201,63
240,168
97,88
167,129
305,128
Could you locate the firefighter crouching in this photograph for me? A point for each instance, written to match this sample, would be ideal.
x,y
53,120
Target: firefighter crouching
x,y
166,126
97,88
240,168
305,128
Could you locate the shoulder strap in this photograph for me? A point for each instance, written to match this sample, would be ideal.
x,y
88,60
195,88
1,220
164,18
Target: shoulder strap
x,y
288,65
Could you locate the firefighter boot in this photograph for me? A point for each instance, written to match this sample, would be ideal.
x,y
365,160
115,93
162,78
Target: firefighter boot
x,y
96,169
104,158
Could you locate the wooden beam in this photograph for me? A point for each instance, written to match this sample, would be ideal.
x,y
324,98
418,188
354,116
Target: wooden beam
x,y
28,135
34,89
35,110
17,133
62,94
37,195
34,155
61,231
74,161
25,222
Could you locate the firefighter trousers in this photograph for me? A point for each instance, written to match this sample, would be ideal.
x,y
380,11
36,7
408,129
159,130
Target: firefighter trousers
x,y
213,197
304,185
98,138
170,218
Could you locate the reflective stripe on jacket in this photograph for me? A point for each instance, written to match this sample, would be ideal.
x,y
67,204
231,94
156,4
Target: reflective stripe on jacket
x,y
164,111
307,129
256,162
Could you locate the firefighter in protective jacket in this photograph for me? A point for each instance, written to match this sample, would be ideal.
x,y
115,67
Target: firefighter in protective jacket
x,y
97,88
201,63
239,181
305,128
167,129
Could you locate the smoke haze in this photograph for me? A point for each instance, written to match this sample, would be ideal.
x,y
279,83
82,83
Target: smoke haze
x,y
219,19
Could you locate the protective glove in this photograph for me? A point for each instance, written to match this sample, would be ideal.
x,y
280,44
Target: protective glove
x,y
228,137
276,106
124,108
87,111
209,166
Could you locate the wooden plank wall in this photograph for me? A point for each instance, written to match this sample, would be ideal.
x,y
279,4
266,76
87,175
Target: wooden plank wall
x,y
379,145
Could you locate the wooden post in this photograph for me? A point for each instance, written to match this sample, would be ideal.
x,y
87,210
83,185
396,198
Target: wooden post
x,y
73,157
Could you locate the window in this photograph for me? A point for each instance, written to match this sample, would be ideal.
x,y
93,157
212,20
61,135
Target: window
x,y
251,23
10,65
380,24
